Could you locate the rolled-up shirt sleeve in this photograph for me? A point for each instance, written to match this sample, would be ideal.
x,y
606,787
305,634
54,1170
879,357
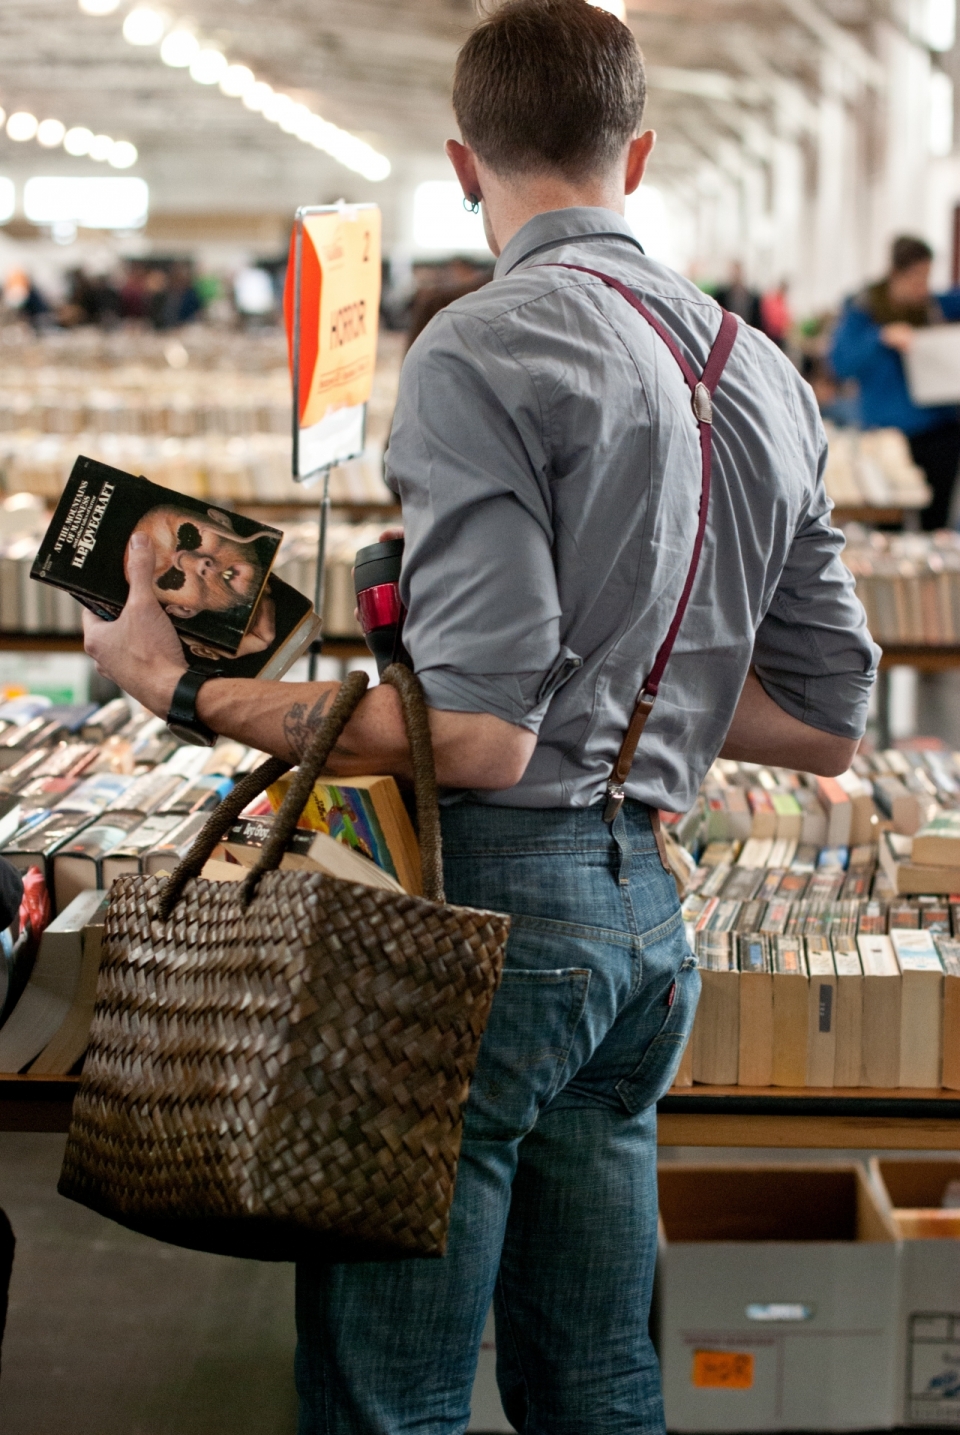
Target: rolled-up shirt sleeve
x,y
469,459
813,653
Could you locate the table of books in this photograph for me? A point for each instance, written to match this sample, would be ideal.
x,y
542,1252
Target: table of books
x,y
827,936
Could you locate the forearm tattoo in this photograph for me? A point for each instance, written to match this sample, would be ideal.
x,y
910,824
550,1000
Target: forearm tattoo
x,y
300,723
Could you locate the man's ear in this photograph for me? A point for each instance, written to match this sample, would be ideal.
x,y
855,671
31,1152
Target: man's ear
x,y
637,156
464,162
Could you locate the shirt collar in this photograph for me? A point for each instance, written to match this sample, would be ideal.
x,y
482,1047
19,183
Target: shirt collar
x,y
558,227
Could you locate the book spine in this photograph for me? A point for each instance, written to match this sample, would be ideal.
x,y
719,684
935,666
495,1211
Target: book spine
x,y
950,1075
716,1031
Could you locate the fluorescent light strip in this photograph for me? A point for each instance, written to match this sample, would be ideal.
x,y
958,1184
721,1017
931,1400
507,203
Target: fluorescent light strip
x,y
50,134
183,49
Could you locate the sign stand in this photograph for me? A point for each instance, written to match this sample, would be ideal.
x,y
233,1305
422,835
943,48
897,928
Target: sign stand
x,y
341,433
320,578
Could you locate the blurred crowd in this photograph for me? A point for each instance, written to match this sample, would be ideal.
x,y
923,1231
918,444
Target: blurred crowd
x,y
159,294
851,357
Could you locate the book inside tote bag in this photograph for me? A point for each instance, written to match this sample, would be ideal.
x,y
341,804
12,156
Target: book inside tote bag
x,y
933,365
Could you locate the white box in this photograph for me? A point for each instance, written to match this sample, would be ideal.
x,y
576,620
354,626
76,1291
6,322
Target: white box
x,y
932,366
928,1365
776,1298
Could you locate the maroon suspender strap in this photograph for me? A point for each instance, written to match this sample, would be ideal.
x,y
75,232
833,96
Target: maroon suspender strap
x,y
701,391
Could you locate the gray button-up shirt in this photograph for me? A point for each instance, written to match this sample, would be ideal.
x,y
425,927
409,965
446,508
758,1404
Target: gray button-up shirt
x,y
548,463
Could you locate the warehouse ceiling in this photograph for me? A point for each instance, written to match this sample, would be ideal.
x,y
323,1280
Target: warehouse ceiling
x,y
720,71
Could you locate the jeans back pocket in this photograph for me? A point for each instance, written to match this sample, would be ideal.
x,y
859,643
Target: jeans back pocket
x,y
654,1076
524,1049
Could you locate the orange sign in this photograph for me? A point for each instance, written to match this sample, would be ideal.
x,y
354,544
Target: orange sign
x,y
339,309
722,1370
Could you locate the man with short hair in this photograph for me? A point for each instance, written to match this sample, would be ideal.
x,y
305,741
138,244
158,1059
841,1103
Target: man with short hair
x,y
551,463
876,329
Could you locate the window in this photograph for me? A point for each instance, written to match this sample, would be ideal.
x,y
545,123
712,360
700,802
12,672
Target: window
x,y
90,202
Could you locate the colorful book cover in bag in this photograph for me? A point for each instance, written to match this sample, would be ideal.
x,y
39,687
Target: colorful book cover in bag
x,y
347,814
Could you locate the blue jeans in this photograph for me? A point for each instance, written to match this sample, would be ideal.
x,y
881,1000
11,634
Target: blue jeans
x,y
555,1211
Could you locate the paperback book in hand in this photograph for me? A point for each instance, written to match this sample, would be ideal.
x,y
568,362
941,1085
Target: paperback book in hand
x,y
211,565
212,574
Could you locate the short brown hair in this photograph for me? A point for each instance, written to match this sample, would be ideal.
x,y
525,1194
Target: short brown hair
x,y
906,251
549,84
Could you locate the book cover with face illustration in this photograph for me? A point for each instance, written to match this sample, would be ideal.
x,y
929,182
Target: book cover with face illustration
x,y
211,565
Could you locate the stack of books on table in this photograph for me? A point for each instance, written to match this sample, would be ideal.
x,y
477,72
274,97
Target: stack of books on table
x,y
909,585
89,795
828,942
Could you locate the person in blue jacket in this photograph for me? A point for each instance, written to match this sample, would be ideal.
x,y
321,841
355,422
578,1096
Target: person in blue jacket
x,y
876,328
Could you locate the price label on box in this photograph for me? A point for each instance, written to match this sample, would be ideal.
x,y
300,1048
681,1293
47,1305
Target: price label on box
x,y
722,1370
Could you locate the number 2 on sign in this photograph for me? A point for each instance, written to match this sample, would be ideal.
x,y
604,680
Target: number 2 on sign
x,y
722,1370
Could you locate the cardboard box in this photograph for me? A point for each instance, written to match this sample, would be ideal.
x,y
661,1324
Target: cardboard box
x,y
776,1298
928,1335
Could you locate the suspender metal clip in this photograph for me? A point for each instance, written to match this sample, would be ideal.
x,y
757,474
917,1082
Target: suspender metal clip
x,y
614,801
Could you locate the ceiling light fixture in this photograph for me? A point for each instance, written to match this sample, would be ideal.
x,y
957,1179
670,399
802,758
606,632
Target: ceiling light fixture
x,y
209,67
237,80
50,133
22,125
182,49
77,141
99,7
257,96
144,26
100,147
122,154
179,48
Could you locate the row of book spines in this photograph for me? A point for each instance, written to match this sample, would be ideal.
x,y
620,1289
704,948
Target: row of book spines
x,y
851,1030
847,945
835,817
723,922
917,608
756,1029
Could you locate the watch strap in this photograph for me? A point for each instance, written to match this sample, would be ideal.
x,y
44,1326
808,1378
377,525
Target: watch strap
x,y
183,705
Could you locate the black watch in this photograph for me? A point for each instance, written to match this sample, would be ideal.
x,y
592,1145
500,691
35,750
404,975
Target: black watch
x,y
182,718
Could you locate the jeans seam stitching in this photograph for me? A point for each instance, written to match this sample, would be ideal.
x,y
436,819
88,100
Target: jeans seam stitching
x,y
563,1056
525,922
515,1343
665,929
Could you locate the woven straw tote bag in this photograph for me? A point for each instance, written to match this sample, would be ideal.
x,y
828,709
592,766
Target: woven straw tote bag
x,y
278,1068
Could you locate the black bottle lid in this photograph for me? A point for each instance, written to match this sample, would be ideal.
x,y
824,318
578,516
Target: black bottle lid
x,y
377,563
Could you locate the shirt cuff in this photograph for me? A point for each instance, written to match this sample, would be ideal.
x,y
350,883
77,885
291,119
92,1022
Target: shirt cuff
x,y
836,704
518,698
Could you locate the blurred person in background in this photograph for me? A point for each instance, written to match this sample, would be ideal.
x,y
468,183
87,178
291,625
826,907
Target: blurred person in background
x,y
776,319
448,282
134,297
739,298
21,294
876,328
91,299
173,299
835,401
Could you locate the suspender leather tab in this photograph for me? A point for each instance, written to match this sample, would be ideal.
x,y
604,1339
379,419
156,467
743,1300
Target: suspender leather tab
x,y
702,404
701,398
